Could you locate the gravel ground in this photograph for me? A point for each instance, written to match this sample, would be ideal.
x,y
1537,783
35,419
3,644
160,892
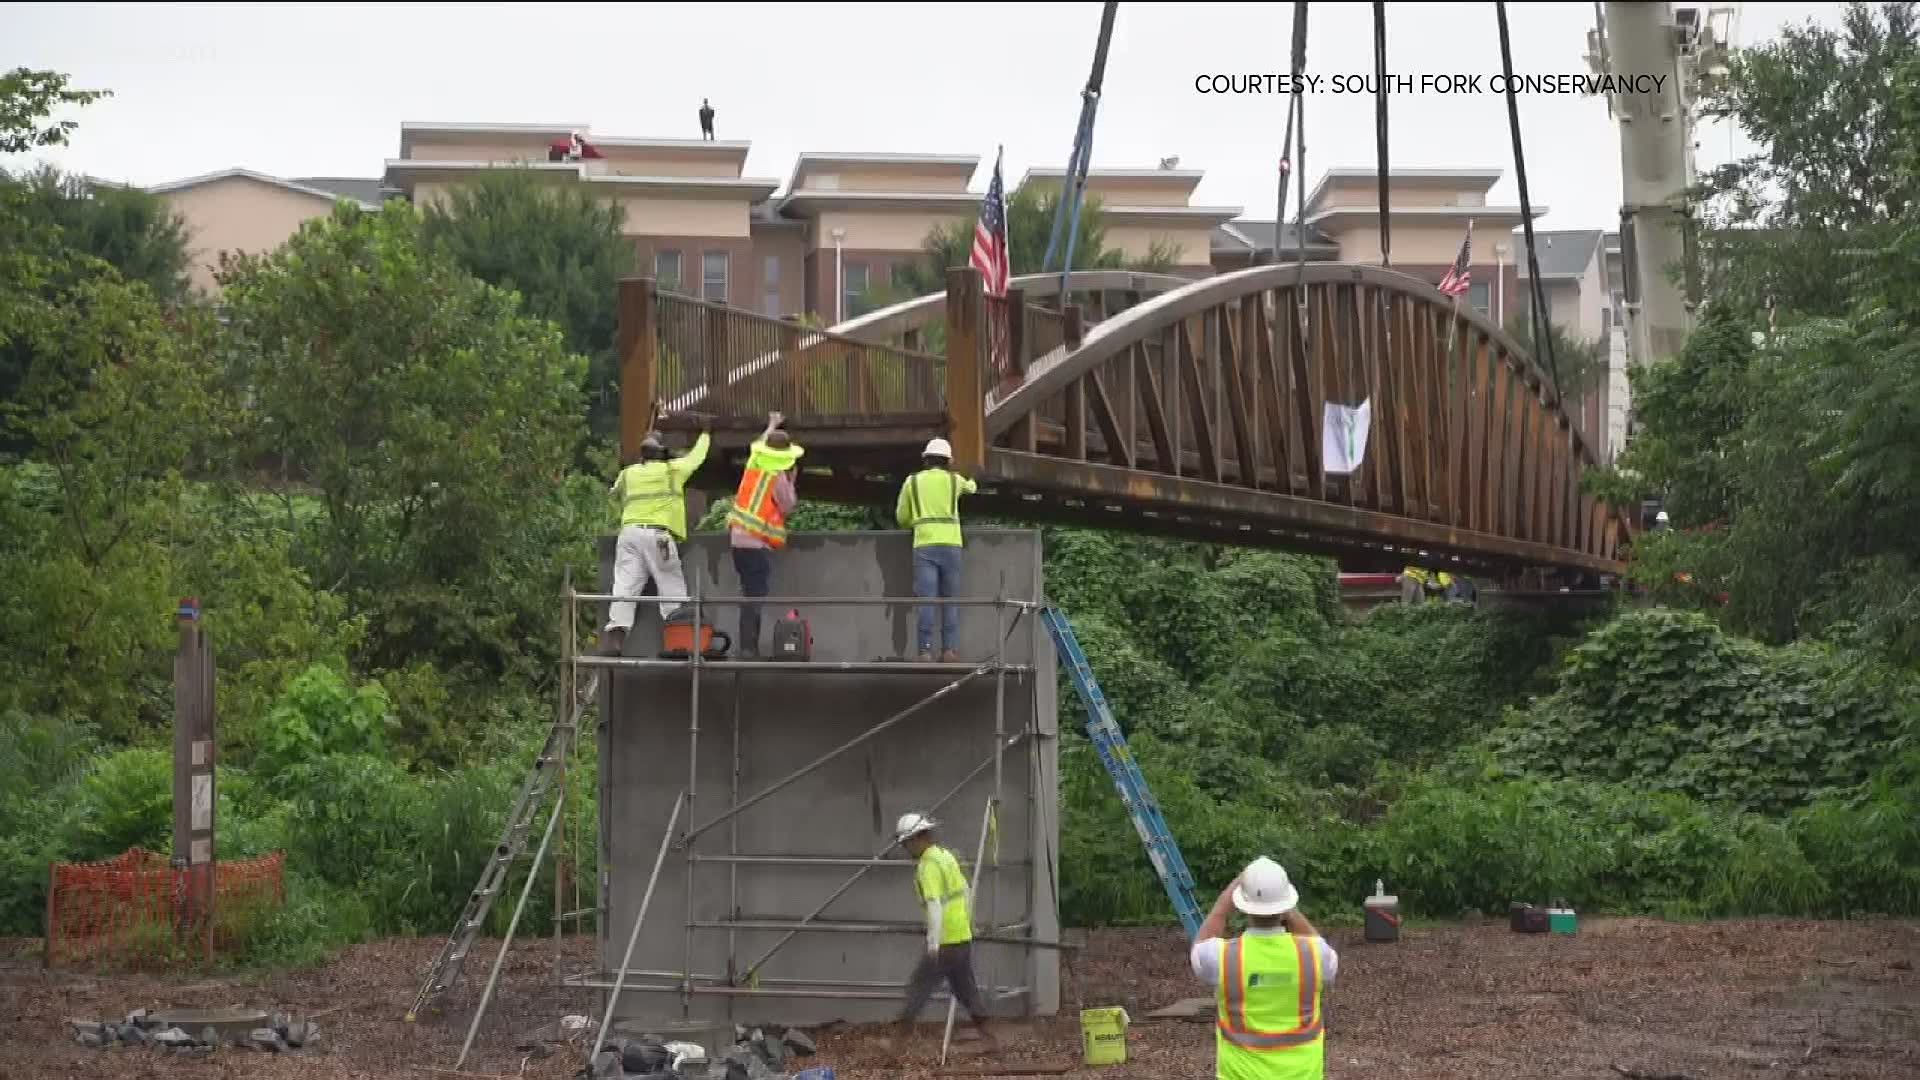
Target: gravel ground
x,y
1624,997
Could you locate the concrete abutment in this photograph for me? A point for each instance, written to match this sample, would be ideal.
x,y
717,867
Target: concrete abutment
x,y
734,730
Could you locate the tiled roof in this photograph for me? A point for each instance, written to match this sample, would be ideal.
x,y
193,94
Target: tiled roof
x,y
1562,254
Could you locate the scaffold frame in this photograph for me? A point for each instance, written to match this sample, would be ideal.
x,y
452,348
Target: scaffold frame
x,y
744,979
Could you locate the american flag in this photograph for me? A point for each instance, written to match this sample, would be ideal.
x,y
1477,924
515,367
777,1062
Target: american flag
x,y
991,258
1458,276
990,238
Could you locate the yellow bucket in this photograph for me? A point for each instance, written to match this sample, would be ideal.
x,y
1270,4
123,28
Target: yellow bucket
x,y
1104,1032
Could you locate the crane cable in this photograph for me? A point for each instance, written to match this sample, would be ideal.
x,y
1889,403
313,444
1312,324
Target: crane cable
x,y
1537,308
1293,111
1373,357
1073,185
1296,135
1380,123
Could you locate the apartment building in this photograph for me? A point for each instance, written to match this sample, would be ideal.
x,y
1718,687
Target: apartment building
x,y
841,224
1579,276
859,216
687,203
242,211
1148,212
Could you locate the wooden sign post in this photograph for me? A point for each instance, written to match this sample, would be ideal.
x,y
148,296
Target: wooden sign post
x,y
193,787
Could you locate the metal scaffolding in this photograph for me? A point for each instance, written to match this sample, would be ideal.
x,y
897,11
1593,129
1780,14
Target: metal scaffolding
x,y
743,979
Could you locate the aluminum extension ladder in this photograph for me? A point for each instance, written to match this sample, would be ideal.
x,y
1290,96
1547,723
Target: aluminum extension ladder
x,y
1111,742
513,843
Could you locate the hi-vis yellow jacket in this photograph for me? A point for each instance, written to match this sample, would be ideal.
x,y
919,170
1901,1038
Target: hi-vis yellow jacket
x,y
929,504
654,492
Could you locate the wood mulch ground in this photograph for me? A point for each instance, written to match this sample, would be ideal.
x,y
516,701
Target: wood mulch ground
x,y
1624,997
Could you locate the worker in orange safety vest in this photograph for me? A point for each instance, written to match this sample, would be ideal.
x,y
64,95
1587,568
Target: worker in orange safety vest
x,y
757,521
1268,982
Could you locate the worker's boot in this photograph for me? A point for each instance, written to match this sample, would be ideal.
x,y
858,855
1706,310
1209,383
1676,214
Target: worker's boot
x,y
951,656
924,656
614,642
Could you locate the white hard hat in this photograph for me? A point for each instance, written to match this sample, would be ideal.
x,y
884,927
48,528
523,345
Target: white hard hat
x,y
1264,889
911,824
1661,516
937,448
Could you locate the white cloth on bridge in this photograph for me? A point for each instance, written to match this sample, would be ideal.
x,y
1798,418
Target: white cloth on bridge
x,y
1344,440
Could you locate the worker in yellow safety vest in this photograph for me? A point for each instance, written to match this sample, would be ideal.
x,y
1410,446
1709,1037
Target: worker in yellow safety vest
x,y
929,504
1416,583
651,495
948,903
1267,983
757,521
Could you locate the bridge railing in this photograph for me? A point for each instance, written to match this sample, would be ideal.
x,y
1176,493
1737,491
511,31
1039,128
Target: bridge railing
x,y
736,366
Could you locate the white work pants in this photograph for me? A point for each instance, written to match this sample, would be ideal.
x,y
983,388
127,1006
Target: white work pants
x,y
642,554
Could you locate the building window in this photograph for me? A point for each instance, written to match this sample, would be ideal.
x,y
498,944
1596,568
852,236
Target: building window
x,y
666,270
1477,295
856,285
1606,325
770,286
713,276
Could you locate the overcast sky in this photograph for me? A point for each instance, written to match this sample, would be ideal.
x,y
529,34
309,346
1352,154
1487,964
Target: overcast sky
x,y
305,90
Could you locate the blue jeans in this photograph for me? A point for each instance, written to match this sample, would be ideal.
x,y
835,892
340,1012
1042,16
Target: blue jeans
x,y
936,572
755,567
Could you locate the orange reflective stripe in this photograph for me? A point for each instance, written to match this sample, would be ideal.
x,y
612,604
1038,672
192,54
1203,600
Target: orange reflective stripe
x,y
1309,980
1233,968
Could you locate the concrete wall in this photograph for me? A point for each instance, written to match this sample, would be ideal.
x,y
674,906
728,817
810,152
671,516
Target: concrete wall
x,y
886,177
846,809
1416,242
882,229
658,215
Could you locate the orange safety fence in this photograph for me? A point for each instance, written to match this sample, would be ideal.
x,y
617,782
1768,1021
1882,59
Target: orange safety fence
x,y
137,910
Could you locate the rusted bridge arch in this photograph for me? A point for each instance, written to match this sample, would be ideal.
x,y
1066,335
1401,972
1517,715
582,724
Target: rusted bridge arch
x,y
1197,412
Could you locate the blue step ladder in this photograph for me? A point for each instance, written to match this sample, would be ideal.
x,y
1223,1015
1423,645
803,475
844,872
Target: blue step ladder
x,y
1111,742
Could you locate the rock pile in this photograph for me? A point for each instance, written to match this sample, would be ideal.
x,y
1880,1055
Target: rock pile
x,y
755,1056
283,1035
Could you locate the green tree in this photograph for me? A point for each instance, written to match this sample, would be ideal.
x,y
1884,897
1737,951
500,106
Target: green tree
x,y
1785,463
433,420
557,246
1785,226
27,99
82,227
130,230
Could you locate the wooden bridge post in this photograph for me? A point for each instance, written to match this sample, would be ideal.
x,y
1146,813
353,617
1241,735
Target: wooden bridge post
x,y
966,369
637,345
193,780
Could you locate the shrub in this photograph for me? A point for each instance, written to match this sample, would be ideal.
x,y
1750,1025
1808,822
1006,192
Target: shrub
x,y
319,715
1667,702
125,800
